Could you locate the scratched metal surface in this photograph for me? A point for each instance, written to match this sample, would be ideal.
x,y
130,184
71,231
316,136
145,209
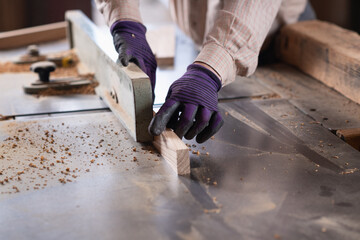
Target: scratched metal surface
x,y
296,190
244,87
264,187
270,173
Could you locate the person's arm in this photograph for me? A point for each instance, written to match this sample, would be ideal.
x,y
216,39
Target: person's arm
x,y
232,46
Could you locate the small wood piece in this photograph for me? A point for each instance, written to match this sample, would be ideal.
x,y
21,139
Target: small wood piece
x,y
325,51
174,150
33,35
351,136
162,43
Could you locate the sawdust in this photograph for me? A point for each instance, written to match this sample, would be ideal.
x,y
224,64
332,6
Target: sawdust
x,y
266,96
10,67
36,155
4,118
88,89
349,171
71,71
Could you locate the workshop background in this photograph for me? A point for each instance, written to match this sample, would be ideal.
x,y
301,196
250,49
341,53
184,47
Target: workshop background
x,y
17,14
285,165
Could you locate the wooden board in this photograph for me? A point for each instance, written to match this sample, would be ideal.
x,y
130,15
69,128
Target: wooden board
x,y
174,151
162,43
126,90
33,35
325,51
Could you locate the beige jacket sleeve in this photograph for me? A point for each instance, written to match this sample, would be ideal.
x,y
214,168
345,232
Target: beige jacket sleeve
x,y
235,30
114,10
233,44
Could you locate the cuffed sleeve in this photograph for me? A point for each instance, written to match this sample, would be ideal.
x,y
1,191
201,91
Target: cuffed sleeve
x,y
219,59
114,10
233,44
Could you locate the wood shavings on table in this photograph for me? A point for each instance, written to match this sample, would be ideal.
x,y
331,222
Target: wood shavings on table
x,y
88,89
35,155
10,67
71,71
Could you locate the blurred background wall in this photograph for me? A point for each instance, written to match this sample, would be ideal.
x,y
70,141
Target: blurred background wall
x,y
345,13
16,14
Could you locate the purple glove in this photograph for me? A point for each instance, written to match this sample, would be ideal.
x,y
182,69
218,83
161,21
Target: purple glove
x,y
195,96
130,42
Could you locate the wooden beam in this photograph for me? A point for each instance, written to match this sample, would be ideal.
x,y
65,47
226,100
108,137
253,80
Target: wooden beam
x,y
33,35
325,51
174,151
162,43
125,90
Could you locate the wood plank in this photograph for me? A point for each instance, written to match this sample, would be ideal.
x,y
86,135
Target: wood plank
x,y
162,43
126,90
351,136
326,52
33,35
174,151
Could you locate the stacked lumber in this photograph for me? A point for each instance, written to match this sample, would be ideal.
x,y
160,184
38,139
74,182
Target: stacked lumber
x,y
325,51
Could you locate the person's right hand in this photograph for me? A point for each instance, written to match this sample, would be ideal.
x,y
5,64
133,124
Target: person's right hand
x,y
131,44
194,95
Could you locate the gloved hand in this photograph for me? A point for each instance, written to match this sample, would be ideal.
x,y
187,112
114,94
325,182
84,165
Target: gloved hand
x,y
130,42
195,96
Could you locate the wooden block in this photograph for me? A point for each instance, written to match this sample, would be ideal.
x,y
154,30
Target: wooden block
x,y
351,136
174,151
162,43
33,35
325,51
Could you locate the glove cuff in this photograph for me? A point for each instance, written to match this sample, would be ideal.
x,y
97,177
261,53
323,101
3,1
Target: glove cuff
x,y
129,27
216,81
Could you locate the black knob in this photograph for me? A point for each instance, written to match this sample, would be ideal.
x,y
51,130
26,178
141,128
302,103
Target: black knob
x,y
43,69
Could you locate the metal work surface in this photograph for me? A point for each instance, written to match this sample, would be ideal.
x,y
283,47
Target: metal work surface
x,y
263,187
244,87
274,171
271,172
14,102
272,194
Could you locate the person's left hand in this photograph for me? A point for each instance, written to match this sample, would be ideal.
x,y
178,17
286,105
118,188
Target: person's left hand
x,y
194,95
131,44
